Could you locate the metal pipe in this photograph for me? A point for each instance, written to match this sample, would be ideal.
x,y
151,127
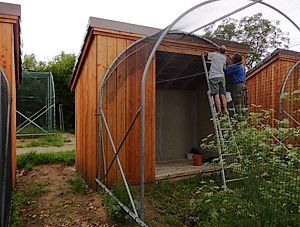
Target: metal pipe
x,y
283,87
291,117
35,118
226,15
101,90
4,186
143,87
122,142
179,78
53,98
119,164
32,116
134,216
31,121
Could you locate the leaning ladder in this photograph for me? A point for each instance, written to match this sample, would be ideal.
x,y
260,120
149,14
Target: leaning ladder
x,y
220,131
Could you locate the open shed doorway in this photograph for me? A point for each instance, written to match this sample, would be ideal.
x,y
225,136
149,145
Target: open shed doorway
x,y
182,113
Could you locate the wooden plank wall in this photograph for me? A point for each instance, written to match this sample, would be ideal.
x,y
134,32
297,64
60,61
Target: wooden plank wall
x,y
265,85
8,65
121,101
120,104
86,118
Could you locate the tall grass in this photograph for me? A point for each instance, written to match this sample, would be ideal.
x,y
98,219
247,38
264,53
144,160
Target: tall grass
x,y
34,159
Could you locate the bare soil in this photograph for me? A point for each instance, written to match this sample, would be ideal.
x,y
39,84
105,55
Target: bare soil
x,y
58,206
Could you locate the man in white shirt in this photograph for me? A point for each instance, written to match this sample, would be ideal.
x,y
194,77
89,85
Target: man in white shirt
x,y
217,78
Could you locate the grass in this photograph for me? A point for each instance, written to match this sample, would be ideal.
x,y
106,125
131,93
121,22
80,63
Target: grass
x,y
51,140
29,160
172,201
77,184
115,211
22,197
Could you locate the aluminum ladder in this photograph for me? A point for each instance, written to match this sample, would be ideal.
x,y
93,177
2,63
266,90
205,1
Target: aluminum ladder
x,y
224,134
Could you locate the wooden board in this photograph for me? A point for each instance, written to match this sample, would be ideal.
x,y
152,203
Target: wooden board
x,y
8,65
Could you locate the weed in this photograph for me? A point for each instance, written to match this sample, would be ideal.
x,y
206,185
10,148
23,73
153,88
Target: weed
x,y
51,140
32,159
77,184
116,212
25,196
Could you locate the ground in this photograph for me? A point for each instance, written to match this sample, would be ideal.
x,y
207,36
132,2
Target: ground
x,y
69,145
58,206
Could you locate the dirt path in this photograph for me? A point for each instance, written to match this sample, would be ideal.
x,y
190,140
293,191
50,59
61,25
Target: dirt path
x,y
69,145
58,206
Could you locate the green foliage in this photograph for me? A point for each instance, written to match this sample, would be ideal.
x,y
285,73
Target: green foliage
x,y
115,210
22,197
260,34
61,67
269,196
30,63
32,159
51,140
77,184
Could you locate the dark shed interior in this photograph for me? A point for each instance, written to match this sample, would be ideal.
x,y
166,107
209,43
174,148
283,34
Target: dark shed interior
x,y
182,109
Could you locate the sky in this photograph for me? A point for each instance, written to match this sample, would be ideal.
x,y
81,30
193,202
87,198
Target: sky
x,y
51,26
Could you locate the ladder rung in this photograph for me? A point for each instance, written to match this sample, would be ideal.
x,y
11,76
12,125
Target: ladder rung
x,y
230,154
236,179
223,129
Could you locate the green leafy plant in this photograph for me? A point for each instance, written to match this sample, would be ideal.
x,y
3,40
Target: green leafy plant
x,y
268,196
116,212
51,140
77,184
32,159
22,197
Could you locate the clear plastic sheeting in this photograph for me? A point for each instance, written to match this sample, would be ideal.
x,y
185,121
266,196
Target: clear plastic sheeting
x,y
129,82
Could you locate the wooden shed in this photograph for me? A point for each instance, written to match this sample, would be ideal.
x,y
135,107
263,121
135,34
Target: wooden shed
x,y
265,81
177,111
10,63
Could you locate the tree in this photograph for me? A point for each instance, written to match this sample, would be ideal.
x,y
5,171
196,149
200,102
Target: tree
x,y
61,67
262,35
31,64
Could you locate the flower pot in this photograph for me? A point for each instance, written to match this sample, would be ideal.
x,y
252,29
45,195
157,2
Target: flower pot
x,y
197,160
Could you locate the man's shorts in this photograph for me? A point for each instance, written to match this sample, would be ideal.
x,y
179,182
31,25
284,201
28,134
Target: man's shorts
x,y
217,85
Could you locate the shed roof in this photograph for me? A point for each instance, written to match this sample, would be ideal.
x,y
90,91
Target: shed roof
x,y
7,9
278,52
134,29
10,9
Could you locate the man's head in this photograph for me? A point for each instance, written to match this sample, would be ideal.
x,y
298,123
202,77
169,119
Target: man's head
x,y
222,49
236,59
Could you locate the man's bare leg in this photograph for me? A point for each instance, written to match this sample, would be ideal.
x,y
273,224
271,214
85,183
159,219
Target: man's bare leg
x,y
218,103
224,103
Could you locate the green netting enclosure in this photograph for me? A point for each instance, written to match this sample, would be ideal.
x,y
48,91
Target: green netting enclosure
x,y
36,104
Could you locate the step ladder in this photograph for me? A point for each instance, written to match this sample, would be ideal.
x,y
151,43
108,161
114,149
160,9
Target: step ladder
x,y
224,135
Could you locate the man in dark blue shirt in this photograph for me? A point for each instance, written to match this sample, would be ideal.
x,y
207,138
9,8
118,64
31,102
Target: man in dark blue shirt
x,y
238,78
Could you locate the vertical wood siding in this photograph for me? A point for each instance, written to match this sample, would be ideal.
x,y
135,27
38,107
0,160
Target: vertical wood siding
x,y
265,85
122,99
8,65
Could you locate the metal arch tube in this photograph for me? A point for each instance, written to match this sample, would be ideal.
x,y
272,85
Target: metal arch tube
x,y
143,87
226,15
119,164
53,99
280,12
101,90
144,77
7,134
283,87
